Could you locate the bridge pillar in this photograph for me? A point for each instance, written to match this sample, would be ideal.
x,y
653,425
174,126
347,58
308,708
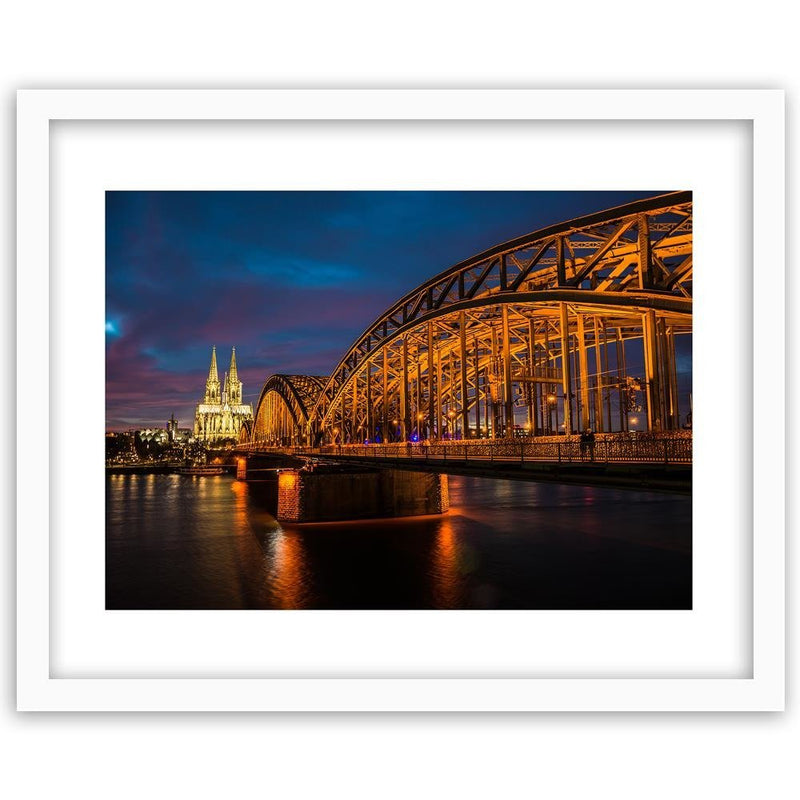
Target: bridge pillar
x,y
241,468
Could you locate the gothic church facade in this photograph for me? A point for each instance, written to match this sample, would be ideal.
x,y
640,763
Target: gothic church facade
x,y
221,413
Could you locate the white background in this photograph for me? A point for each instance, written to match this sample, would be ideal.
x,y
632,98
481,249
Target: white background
x,y
416,44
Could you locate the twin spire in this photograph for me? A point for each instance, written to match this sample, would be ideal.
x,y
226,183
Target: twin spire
x,y
233,386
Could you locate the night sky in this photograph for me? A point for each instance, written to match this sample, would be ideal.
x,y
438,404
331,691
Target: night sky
x,y
290,278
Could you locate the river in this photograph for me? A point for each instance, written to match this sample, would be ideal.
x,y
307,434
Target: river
x,y
181,542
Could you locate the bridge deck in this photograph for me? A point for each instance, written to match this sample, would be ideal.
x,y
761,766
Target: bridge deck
x,y
646,469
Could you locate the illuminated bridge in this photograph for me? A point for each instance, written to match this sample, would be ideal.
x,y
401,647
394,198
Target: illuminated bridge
x,y
568,328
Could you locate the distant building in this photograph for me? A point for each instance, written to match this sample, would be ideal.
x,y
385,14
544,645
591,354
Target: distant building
x,y
156,435
221,413
172,427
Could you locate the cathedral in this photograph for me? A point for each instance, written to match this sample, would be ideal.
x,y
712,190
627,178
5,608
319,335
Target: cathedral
x,y
220,415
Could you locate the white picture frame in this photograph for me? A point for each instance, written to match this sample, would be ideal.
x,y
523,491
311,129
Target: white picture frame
x,y
42,685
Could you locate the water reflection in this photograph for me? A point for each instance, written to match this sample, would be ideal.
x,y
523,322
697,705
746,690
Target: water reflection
x,y
180,542
240,516
288,577
445,571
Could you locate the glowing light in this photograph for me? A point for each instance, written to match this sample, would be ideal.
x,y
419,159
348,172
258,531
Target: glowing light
x,y
289,572
287,480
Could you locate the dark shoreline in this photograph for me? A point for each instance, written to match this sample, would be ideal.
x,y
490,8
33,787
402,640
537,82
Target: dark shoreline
x,y
157,469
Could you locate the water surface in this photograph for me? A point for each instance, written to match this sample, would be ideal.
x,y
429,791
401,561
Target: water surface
x,y
175,541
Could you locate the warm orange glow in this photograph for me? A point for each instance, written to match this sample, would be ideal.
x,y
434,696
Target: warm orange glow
x,y
287,480
446,575
288,580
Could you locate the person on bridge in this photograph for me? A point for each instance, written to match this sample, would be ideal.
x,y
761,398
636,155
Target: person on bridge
x,y
590,443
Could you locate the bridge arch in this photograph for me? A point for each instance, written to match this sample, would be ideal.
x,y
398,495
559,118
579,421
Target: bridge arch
x,y
283,410
563,329
246,432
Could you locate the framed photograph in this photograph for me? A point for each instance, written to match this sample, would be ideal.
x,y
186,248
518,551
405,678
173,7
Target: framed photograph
x,y
386,400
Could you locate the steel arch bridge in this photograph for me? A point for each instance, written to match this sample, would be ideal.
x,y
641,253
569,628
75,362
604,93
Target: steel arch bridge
x,y
284,407
532,335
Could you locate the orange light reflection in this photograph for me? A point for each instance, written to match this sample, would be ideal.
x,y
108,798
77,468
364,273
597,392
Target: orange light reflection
x,y
289,573
446,576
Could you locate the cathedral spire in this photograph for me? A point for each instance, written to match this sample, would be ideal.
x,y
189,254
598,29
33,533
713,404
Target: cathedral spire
x,y
212,383
232,369
234,384
213,375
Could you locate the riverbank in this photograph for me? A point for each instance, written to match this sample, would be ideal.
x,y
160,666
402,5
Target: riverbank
x,y
157,469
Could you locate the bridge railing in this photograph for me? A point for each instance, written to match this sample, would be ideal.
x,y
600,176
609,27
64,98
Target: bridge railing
x,y
608,448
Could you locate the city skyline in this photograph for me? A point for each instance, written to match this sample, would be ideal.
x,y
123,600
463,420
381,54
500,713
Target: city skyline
x,y
290,279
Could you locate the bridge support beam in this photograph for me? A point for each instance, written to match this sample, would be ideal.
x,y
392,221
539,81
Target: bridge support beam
x,y
431,432
566,377
583,366
598,380
405,426
655,409
507,386
462,359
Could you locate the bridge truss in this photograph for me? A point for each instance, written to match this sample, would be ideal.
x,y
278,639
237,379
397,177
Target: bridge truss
x,y
535,335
